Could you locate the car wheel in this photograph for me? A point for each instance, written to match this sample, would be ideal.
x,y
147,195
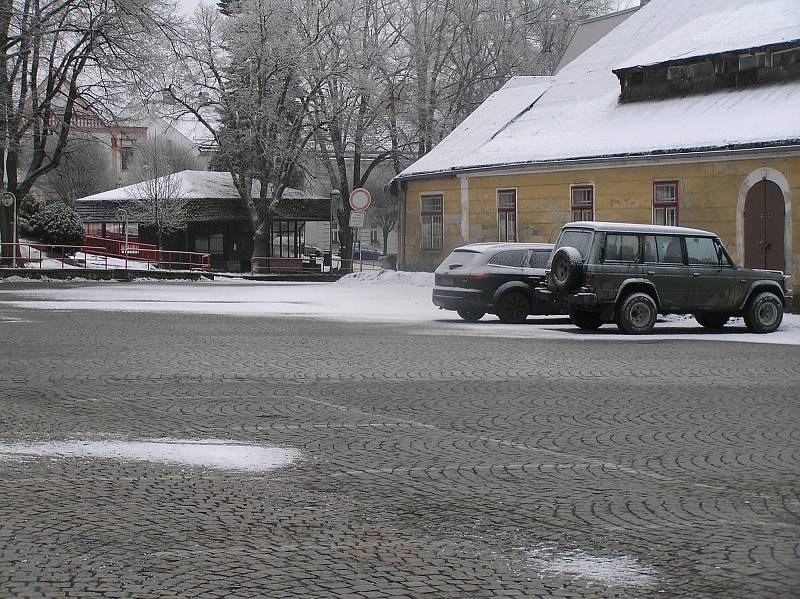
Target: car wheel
x,y
763,313
566,268
471,314
712,320
637,314
513,308
583,319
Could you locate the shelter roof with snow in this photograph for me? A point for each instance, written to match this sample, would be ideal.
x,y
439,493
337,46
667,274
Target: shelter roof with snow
x,y
578,115
212,197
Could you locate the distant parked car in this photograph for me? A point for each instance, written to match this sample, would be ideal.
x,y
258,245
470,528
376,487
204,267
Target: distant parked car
x,y
628,274
366,254
493,278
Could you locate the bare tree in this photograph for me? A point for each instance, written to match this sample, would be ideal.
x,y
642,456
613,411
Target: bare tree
x,y
173,158
54,53
157,201
245,77
84,170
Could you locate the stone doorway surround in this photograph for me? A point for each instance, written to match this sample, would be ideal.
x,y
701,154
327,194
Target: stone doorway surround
x,y
770,174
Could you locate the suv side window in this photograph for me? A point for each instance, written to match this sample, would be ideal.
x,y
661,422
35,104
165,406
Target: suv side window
x,y
538,258
513,258
649,249
702,250
669,249
622,248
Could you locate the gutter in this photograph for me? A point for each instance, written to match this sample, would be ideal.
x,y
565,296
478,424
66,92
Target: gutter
x,y
595,162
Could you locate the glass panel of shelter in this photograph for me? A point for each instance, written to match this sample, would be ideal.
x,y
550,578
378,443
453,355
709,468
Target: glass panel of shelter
x,y
288,237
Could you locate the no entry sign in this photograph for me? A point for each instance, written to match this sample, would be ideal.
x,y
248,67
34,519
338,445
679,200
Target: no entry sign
x,y
360,199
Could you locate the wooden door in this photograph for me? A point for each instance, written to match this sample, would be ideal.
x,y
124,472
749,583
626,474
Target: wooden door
x,y
764,226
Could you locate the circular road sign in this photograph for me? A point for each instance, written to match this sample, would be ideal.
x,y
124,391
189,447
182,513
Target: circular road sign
x,y
360,199
7,199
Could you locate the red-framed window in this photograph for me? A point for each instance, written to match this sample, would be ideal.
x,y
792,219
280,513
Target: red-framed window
x,y
582,202
507,215
665,203
431,209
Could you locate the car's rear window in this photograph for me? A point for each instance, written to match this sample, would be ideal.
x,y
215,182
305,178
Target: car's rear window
x,y
509,258
580,239
460,259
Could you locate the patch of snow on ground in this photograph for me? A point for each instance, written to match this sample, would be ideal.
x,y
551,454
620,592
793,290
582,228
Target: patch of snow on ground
x,y
388,277
206,453
620,571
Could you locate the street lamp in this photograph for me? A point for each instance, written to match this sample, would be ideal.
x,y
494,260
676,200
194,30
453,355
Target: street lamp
x,y
8,199
122,216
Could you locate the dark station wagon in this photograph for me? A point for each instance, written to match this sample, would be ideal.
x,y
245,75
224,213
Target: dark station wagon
x,y
493,278
628,274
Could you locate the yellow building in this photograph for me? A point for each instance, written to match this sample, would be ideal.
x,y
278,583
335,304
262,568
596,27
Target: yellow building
x,y
694,129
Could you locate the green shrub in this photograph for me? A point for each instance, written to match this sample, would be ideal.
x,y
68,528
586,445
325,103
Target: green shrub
x,y
58,224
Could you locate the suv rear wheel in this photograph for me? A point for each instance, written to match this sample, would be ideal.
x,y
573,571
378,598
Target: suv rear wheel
x,y
513,308
588,321
712,320
763,313
637,314
471,314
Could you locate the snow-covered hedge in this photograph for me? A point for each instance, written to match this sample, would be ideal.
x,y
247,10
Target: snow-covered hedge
x,y
58,224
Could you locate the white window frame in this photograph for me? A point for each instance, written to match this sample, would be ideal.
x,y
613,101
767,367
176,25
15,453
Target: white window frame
x,y
504,212
433,242
573,209
670,208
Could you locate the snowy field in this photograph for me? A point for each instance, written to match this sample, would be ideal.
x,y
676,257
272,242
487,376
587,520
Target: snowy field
x,y
377,296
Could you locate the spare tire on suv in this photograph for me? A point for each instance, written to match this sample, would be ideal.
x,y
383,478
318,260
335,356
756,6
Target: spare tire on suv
x,y
566,269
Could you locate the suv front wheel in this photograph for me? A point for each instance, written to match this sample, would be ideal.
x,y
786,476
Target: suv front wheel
x,y
763,313
637,314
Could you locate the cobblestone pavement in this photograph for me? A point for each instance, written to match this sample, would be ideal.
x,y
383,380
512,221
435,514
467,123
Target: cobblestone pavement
x,y
435,465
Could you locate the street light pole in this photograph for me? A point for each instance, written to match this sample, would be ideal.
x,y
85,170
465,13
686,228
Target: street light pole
x,y
122,215
8,199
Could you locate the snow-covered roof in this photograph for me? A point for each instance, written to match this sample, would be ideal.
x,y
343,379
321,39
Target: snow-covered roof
x,y
577,114
739,26
195,185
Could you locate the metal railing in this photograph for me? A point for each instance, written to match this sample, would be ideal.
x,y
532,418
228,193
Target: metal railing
x,y
117,246
98,257
146,252
264,264
24,254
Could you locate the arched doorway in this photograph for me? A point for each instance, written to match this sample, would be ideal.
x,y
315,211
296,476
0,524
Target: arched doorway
x,y
764,225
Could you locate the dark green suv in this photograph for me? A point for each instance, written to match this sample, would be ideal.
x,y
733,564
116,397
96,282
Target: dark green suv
x,y
628,274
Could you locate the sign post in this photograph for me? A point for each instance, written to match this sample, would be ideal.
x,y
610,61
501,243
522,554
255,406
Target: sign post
x,y
8,199
360,200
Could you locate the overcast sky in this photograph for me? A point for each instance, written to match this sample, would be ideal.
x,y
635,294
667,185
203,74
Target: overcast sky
x,y
189,5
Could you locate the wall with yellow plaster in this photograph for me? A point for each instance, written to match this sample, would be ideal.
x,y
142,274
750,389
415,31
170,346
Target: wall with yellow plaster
x,y
709,193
